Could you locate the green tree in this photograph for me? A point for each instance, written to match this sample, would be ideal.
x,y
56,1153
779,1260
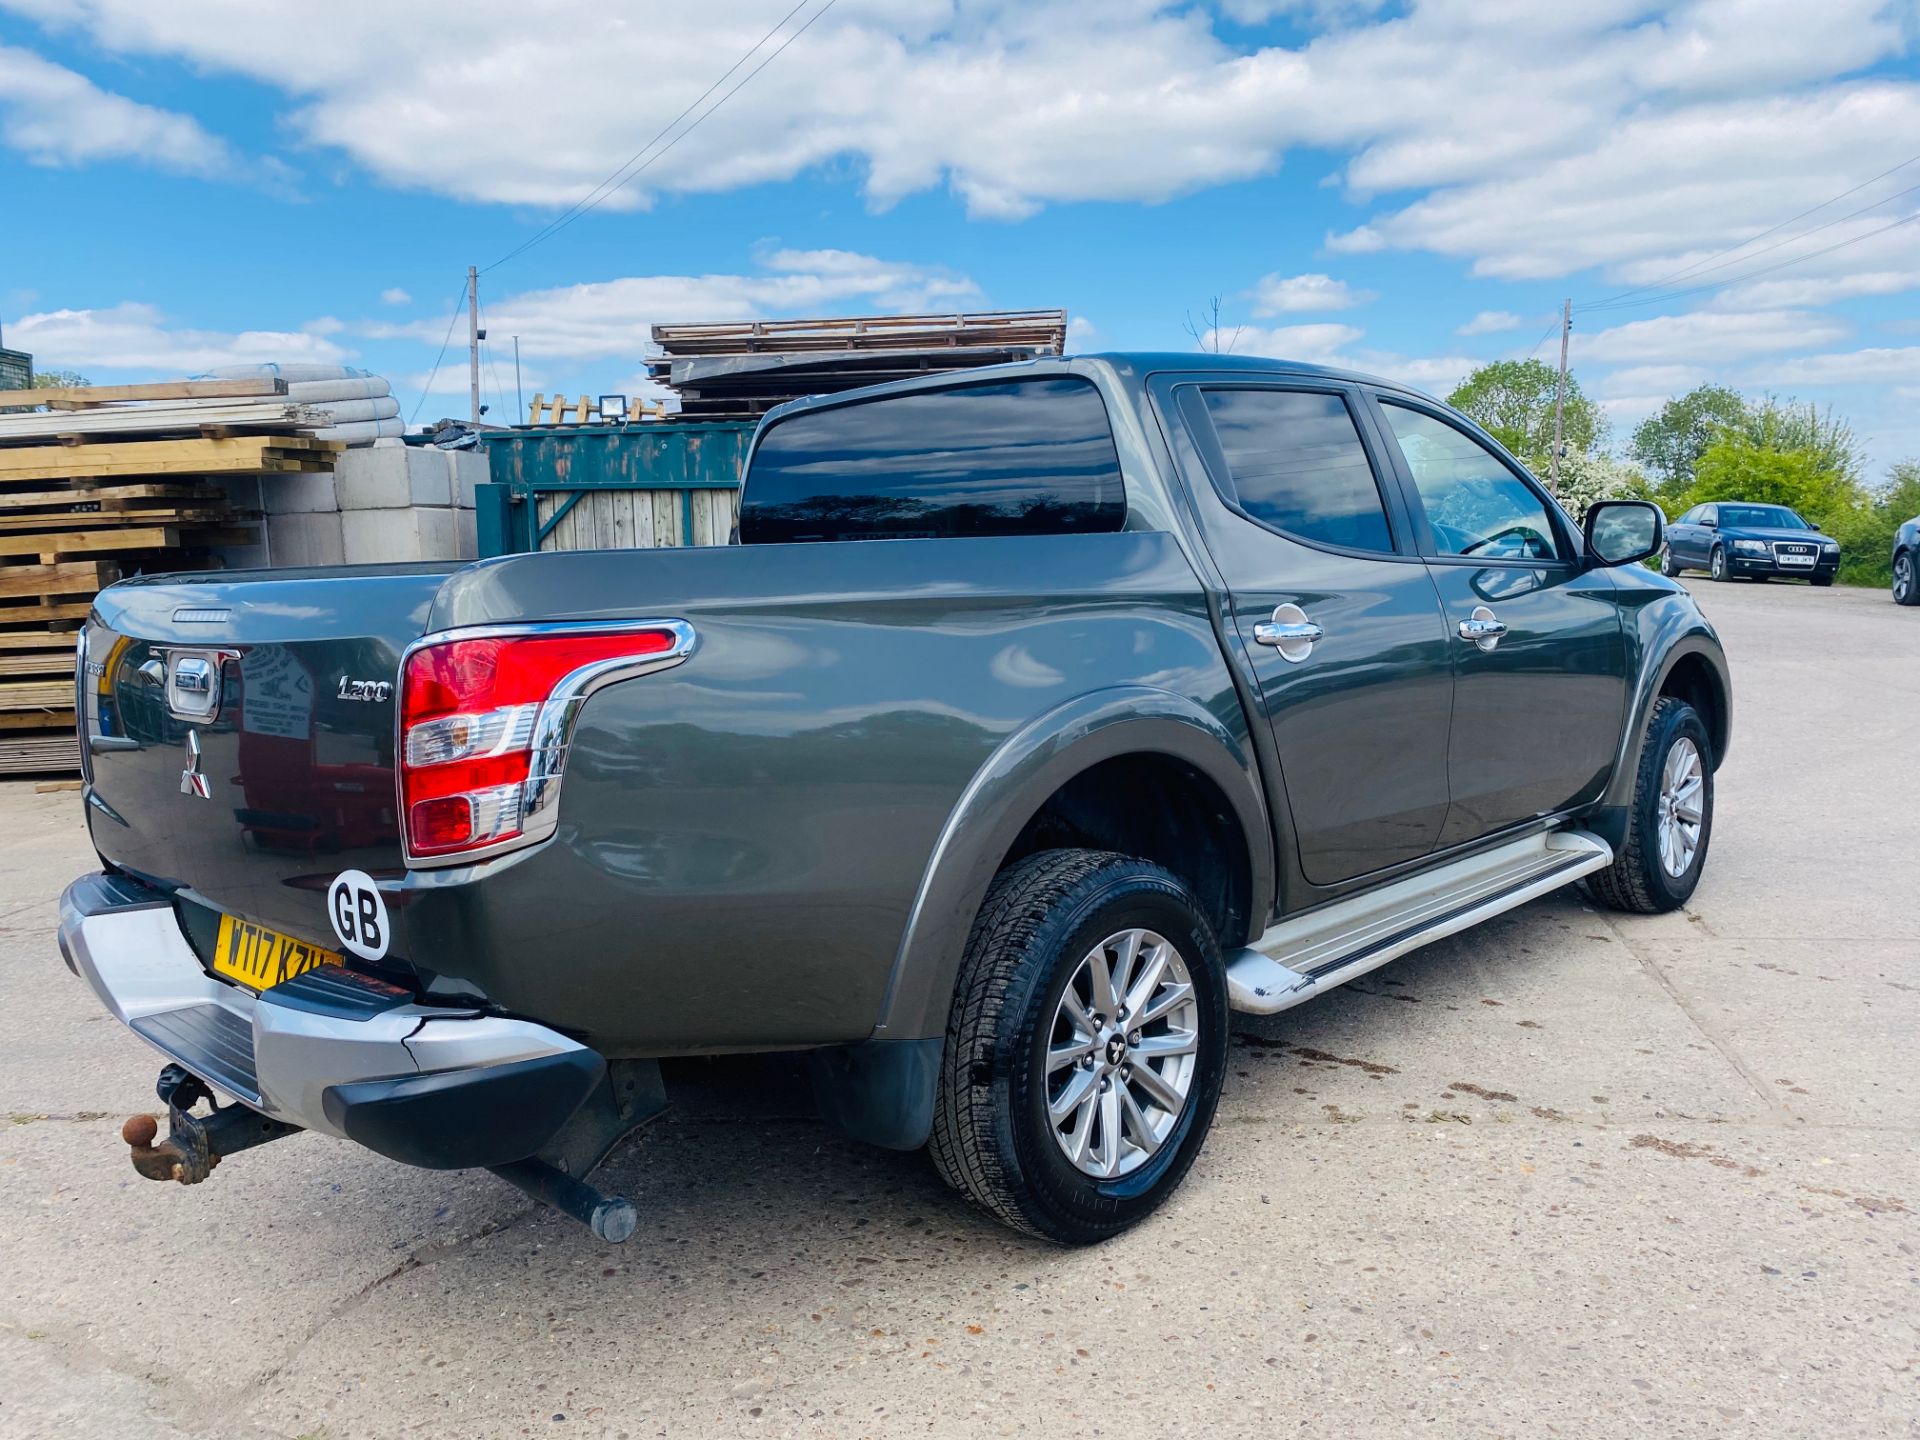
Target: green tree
x,y
1736,467
1669,444
58,380
1784,425
1513,401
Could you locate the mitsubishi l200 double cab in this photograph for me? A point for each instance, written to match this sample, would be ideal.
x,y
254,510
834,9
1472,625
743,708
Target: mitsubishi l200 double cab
x,y
1043,716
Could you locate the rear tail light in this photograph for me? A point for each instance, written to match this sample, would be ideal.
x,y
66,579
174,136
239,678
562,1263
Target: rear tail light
x,y
485,720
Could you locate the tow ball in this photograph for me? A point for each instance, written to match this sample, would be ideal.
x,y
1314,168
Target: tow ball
x,y
194,1144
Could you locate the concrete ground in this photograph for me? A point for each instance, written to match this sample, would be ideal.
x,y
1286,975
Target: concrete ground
x,y
1572,1174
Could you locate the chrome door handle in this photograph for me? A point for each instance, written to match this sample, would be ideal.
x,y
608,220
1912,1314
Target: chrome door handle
x,y
1290,632
1482,629
1270,634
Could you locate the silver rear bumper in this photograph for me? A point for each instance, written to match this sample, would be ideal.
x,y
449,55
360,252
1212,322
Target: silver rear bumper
x,y
126,943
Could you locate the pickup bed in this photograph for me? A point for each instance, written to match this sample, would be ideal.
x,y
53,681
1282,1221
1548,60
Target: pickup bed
x,y
1041,716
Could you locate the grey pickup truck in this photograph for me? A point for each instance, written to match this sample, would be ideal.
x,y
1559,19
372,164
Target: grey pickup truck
x,y
1041,717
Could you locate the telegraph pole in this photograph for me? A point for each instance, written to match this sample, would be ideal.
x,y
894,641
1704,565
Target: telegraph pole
x,y
1560,397
473,342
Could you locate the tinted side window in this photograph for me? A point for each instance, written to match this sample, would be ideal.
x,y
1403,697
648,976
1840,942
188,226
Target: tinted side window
x,y
1475,505
1031,457
1295,462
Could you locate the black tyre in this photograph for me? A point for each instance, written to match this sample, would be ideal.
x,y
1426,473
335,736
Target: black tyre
x,y
1717,564
1822,581
1669,567
1671,820
1906,582
1038,1046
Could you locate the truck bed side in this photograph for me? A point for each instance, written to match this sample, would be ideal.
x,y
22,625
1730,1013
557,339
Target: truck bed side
x,y
742,838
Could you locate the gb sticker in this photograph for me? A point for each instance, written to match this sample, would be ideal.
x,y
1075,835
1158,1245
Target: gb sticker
x,y
358,913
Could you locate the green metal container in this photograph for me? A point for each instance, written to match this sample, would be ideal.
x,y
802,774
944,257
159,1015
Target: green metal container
x,y
601,486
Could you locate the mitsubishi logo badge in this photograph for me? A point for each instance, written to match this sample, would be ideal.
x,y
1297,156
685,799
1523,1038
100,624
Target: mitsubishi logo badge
x,y
192,782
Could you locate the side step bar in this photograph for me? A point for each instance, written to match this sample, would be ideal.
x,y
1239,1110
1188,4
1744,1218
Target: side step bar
x,y
1302,957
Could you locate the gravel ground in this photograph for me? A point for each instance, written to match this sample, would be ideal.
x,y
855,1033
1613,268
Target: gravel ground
x,y
1571,1174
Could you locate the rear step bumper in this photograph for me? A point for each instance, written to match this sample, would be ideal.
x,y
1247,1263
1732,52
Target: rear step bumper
x,y
446,1089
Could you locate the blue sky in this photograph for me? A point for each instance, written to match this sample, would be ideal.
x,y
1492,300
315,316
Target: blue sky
x,y
1406,188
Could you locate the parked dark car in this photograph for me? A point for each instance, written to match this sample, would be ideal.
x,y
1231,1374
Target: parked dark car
x,y
1044,715
1906,563
1761,542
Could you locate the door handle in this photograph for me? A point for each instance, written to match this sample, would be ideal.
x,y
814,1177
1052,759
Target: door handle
x,y
1482,629
1290,632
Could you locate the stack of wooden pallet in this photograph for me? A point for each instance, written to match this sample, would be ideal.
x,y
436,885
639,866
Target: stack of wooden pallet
x,y
113,481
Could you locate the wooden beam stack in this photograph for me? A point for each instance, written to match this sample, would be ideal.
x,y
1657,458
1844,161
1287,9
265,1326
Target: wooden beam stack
x,y
110,481
738,370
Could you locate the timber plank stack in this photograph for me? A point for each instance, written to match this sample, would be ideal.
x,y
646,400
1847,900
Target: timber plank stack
x,y
110,481
740,370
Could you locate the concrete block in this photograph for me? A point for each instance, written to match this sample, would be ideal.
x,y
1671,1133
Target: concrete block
x,y
383,477
307,539
466,534
469,468
379,537
299,494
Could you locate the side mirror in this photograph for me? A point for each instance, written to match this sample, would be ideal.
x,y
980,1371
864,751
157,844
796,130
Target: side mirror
x,y
1707,523
1620,532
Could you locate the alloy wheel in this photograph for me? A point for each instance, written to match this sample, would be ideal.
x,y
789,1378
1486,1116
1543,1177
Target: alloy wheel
x,y
1122,1053
1680,812
1903,579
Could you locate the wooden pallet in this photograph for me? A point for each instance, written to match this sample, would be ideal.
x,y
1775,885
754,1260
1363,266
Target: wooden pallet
x,y
27,720
36,694
83,397
38,754
112,457
52,582
42,638
59,662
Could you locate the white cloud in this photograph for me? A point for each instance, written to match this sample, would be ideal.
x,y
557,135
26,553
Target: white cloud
x,y
1338,346
1321,344
1817,290
1708,337
54,116
610,319
394,295
1491,322
1651,379
1870,366
136,336
1278,294
1585,119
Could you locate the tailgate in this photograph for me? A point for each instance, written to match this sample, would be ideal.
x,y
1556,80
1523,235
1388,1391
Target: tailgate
x,y
238,732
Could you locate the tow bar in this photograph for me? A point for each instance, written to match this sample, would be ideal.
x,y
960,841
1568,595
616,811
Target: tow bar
x,y
194,1145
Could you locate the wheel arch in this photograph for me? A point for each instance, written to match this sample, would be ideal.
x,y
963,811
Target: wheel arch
x,y
1681,656
1051,772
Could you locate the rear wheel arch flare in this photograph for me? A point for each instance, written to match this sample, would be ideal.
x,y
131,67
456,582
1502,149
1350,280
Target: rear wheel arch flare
x,y
1015,785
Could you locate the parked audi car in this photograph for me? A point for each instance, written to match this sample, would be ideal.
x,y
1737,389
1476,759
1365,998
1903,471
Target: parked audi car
x,y
1906,563
1728,538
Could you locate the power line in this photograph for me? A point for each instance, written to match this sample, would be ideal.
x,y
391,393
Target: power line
x,y
1618,303
1695,267
1764,269
446,340
634,166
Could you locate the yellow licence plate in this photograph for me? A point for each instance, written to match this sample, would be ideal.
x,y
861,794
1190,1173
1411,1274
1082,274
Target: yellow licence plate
x,y
262,958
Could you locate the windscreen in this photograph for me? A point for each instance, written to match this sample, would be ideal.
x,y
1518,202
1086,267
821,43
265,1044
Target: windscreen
x,y
1760,517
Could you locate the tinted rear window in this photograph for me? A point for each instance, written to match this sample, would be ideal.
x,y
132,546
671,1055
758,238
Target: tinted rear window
x,y
1030,457
1296,463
